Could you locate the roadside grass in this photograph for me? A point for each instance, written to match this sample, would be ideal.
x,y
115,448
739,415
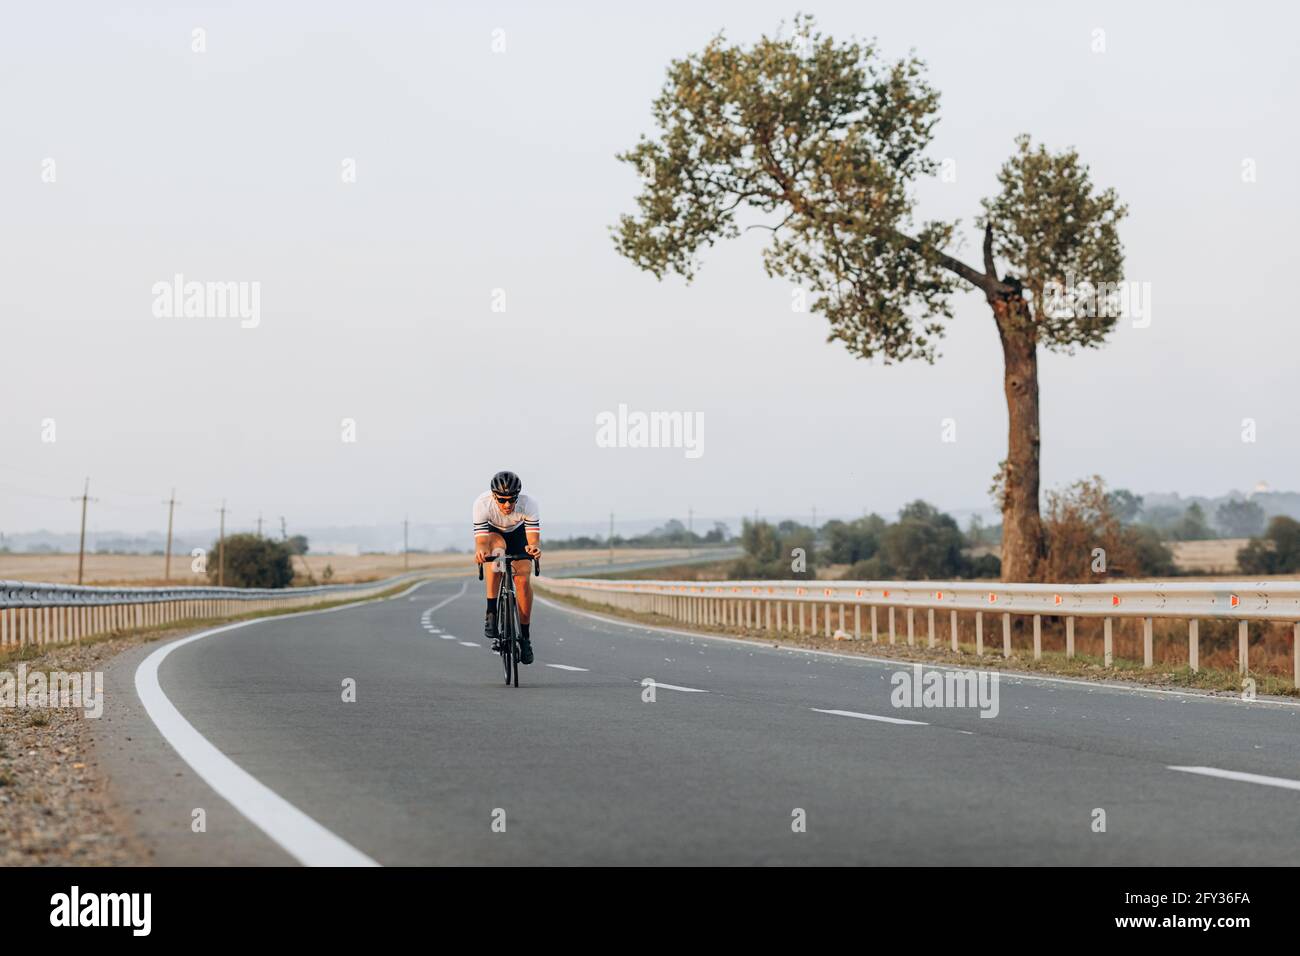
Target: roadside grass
x,y
1167,671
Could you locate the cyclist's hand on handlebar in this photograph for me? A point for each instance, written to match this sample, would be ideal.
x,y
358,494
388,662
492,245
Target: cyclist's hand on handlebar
x,y
533,550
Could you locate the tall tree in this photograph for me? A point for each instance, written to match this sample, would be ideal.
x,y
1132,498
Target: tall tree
x,y
822,143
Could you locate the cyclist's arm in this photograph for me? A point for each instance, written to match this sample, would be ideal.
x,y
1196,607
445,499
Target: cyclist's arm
x,y
533,528
481,531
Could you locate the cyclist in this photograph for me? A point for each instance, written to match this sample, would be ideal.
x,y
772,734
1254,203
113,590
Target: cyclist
x,y
506,521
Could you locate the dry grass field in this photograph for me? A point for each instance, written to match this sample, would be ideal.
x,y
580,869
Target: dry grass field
x,y
1208,557
142,570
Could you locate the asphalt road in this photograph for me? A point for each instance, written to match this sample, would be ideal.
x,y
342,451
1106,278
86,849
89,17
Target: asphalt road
x,y
436,754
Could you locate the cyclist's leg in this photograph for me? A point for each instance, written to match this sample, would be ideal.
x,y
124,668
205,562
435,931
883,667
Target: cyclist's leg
x,y
489,544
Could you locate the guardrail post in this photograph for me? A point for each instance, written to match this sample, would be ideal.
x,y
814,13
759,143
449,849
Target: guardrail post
x,y
929,629
826,616
841,617
1148,650
1006,635
891,625
1295,654
1108,643
875,638
1242,647
767,614
1069,637
802,609
857,633
979,633
953,629
911,627
1038,637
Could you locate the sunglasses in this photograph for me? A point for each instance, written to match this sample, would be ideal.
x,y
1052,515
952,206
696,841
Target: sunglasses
x,y
506,501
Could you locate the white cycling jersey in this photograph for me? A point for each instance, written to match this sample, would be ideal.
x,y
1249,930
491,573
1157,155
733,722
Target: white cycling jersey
x,y
489,517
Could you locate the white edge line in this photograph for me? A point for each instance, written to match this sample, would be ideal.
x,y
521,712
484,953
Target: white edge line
x,y
298,834
568,667
896,661
1244,777
883,720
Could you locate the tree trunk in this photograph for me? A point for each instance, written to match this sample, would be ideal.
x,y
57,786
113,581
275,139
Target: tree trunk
x,y
1023,543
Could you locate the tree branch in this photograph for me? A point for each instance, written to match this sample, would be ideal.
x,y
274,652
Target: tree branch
x,y
989,268
989,285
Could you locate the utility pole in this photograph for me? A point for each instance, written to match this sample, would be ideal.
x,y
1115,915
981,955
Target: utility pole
x,y
611,537
81,557
814,519
284,535
221,548
406,544
690,530
171,508
259,524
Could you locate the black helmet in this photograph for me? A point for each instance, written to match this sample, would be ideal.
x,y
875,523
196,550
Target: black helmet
x,y
506,484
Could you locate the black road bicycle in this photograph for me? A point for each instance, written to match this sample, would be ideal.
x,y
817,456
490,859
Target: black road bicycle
x,y
508,629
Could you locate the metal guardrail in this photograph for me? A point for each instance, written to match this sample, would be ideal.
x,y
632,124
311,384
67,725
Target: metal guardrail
x,y
777,606
38,613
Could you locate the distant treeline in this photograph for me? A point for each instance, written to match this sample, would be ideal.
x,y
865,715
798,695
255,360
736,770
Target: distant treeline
x,y
672,534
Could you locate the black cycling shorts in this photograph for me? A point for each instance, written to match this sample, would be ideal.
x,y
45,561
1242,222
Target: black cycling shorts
x,y
516,539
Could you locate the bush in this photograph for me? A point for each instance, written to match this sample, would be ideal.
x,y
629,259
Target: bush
x,y
769,551
1278,552
853,541
1082,519
252,562
924,544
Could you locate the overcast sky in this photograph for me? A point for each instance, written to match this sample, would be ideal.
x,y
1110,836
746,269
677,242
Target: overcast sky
x,y
478,170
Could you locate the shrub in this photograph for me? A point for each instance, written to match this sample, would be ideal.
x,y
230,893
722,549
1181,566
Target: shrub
x,y
252,562
1082,519
1278,552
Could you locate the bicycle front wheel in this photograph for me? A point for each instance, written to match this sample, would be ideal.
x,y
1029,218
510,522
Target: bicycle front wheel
x,y
507,633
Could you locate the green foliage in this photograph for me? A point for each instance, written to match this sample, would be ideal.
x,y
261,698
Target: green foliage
x,y
1192,526
826,141
853,541
1055,231
1278,552
297,544
924,543
784,552
1240,519
252,562
1125,505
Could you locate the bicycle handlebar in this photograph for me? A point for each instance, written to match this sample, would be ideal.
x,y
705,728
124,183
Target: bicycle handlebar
x,y
537,562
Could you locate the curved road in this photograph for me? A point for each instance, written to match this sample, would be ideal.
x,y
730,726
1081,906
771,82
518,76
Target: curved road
x,y
738,738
